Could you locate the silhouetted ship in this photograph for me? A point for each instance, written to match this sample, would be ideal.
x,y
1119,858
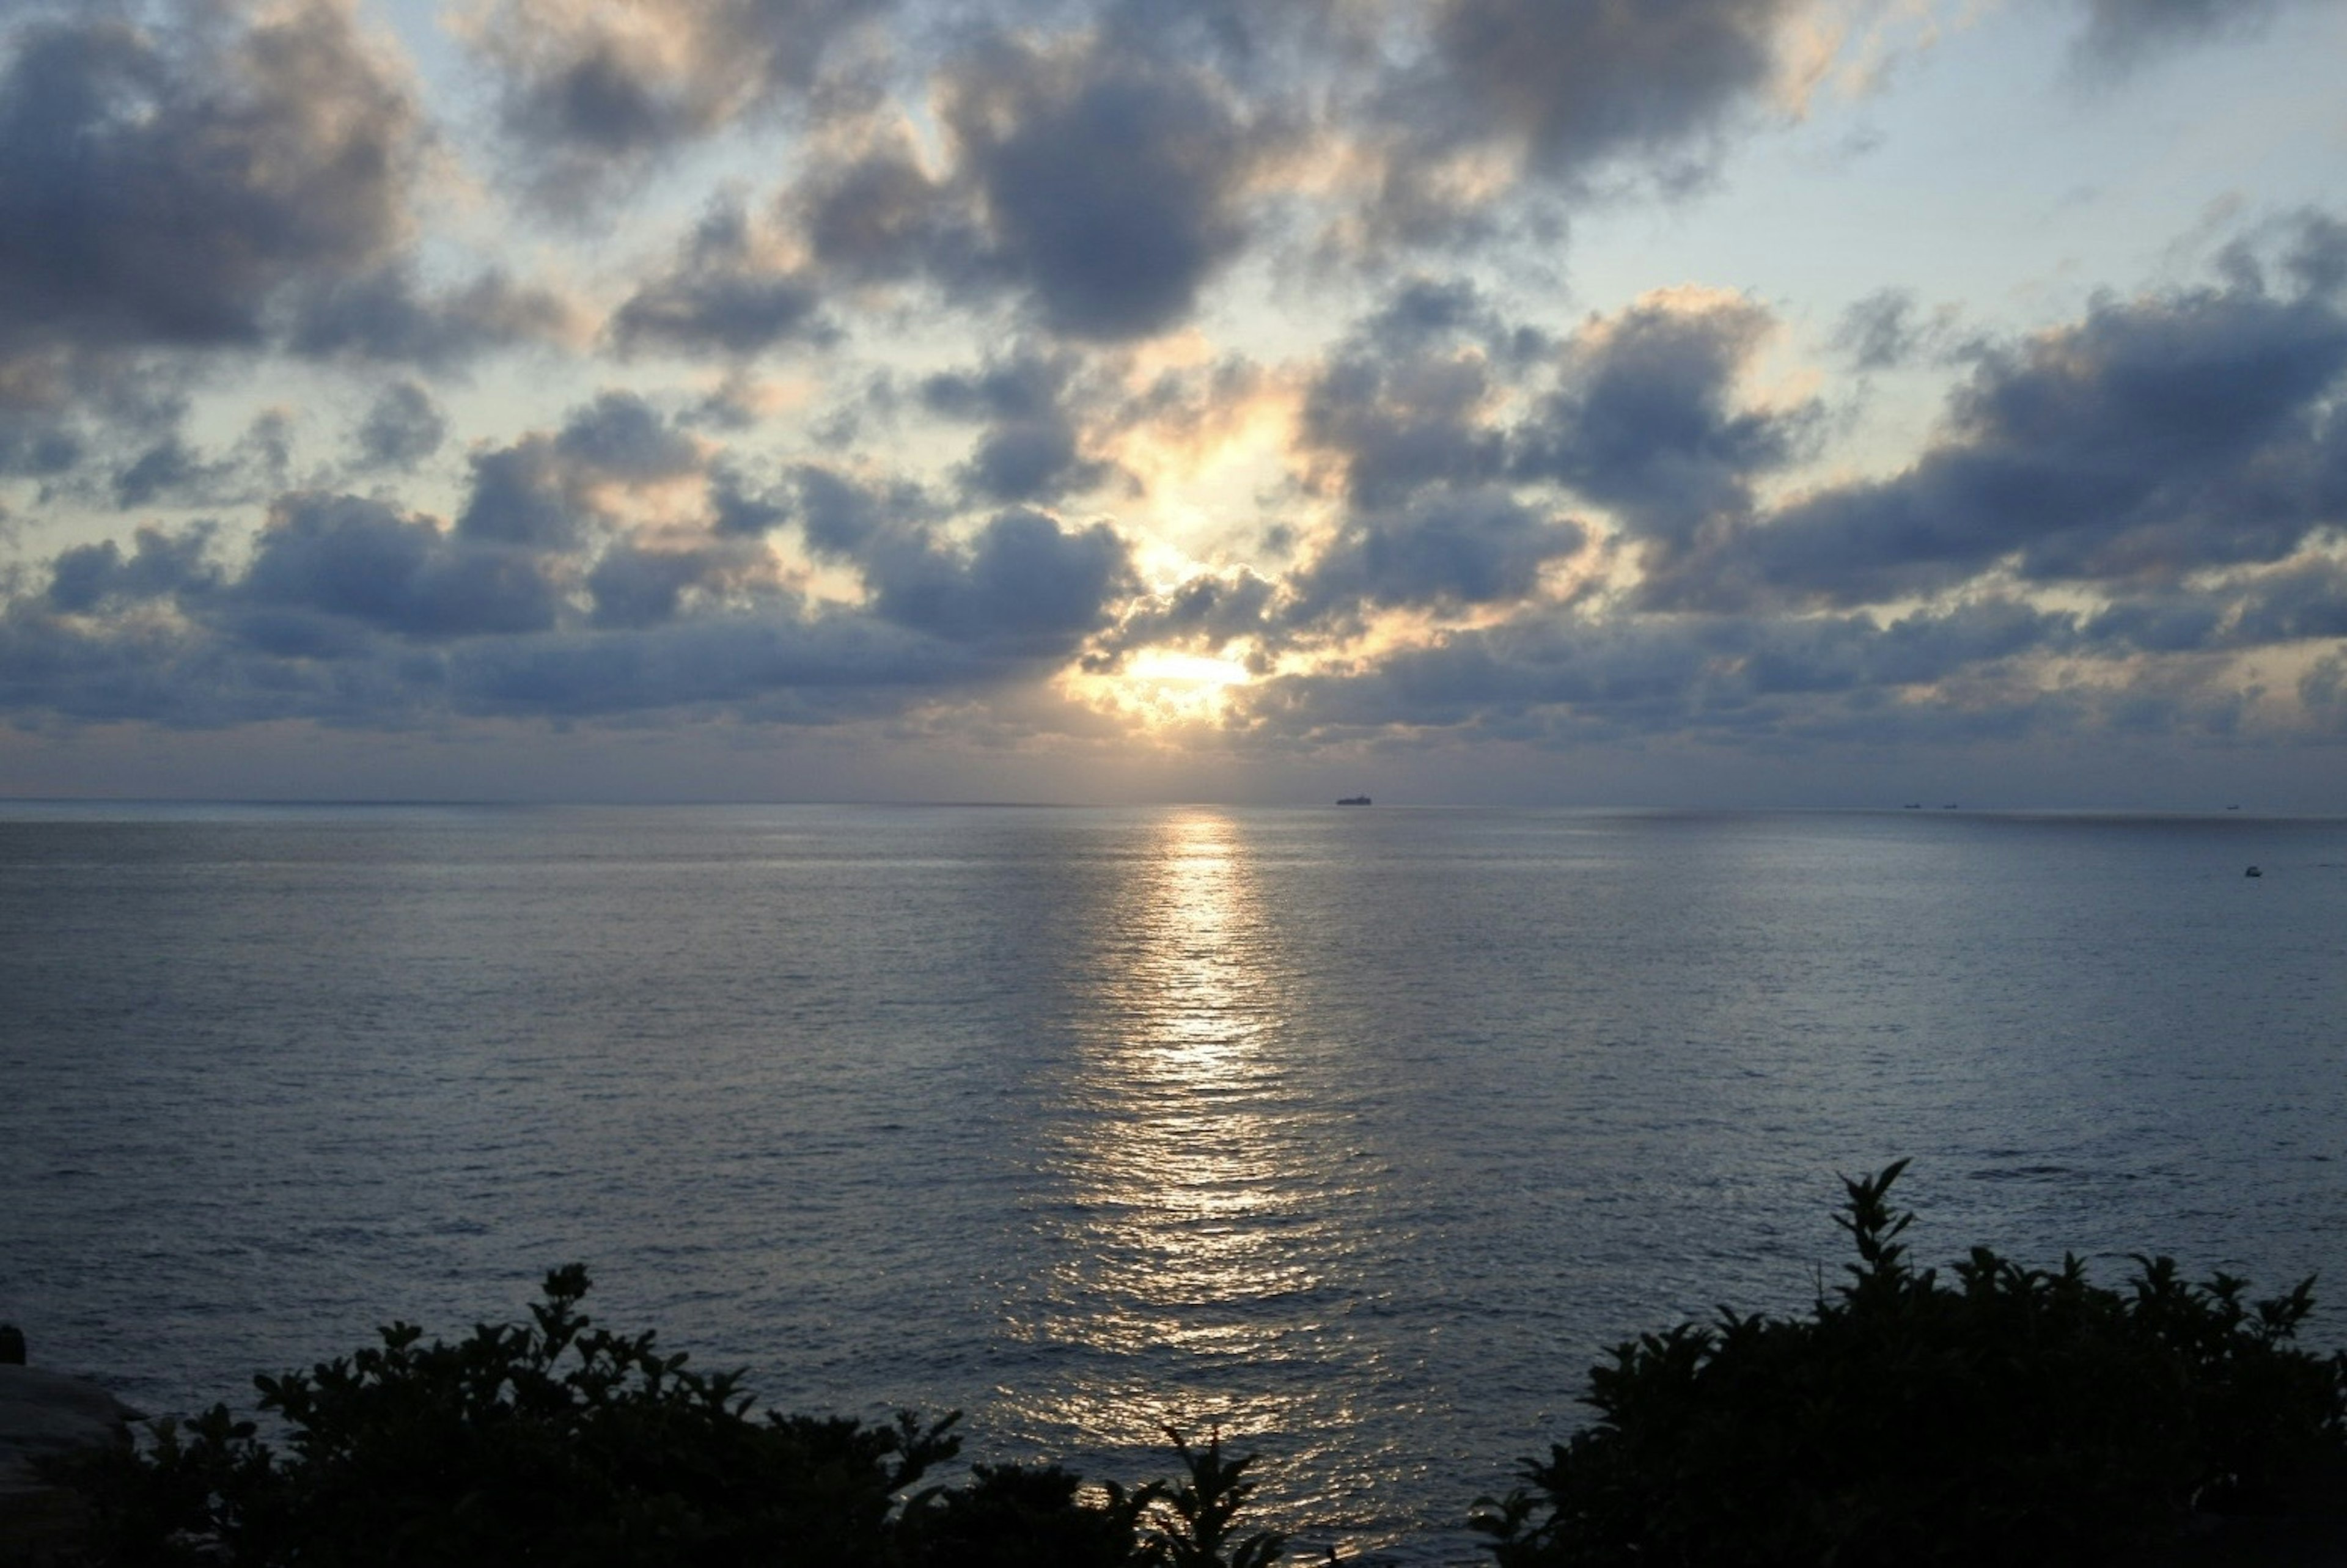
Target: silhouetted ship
x,y
1355,800
2253,871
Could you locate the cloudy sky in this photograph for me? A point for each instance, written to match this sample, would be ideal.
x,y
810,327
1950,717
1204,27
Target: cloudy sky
x,y
1576,401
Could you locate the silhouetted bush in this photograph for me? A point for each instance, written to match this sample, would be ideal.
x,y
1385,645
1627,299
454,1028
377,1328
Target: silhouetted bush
x,y
2013,1415
556,1442
2005,1415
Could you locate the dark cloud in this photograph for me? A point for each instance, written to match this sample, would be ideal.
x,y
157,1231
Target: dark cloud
x,y
327,566
1397,426
1886,330
539,492
1850,653
1425,312
172,472
777,668
172,469
621,436
635,586
163,186
878,217
2159,623
1024,586
597,95
37,442
2303,602
1572,89
1092,179
1408,400
2121,34
2156,437
721,298
841,515
1644,420
737,512
520,497
403,426
2317,257
1558,678
387,315
353,611
1112,186
1207,613
161,564
1031,449
1452,548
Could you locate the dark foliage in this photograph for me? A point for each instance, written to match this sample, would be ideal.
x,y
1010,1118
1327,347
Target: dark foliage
x,y
2010,1415
2000,1415
556,1442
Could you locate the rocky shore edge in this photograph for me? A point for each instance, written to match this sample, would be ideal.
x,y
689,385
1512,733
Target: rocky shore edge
x,y
44,1413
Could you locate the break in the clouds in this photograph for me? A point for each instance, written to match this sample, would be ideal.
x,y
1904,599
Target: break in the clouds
x,y
1101,393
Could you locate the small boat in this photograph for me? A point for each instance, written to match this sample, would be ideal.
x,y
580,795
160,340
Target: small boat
x,y
1353,800
2253,871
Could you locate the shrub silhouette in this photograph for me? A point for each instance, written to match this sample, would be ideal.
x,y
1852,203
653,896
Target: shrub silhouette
x,y
2002,1415
557,1442
2012,1415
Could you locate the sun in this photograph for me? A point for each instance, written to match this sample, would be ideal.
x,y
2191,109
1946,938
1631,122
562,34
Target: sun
x,y
1160,688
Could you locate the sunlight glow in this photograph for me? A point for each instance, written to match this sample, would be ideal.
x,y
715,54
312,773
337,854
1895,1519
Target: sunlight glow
x,y
1160,688
1166,667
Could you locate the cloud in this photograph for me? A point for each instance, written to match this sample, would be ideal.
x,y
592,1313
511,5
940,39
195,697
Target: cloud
x,y
1405,406
1644,422
541,492
1452,547
387,315
1112,186
878,216
327,566
1584,82
1885,331
163,564
1207,612
172,472
1089,178
2122,34
595,96
1567,93
2156,437
737,512
634,586
353,611
165,185
403,426
723,297
37,442
1023,588
1565,679
841,515
1031,449
2317,258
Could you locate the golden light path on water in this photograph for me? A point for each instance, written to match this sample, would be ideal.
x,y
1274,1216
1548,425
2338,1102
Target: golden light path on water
x,y
1202,1271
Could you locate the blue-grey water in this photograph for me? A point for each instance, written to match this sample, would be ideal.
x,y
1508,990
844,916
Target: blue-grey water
x,y
1357,1133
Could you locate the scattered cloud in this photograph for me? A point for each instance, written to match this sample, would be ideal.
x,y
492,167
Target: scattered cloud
x,y
1423,375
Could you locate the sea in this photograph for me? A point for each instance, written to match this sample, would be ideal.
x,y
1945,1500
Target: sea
x,y
1353,1135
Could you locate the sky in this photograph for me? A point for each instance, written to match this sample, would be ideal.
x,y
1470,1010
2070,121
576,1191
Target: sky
x,y
1562,401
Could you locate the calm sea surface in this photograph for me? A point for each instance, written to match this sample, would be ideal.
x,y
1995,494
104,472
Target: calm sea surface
x,y
1358,1133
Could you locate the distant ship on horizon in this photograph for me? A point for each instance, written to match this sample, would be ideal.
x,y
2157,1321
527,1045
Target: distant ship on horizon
x,y
1353,800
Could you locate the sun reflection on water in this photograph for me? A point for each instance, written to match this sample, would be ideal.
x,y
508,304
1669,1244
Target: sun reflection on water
x,y
1197,1270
